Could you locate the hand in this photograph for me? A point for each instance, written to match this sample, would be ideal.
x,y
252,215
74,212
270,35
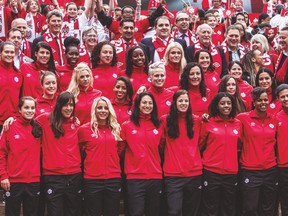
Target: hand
x,y
141,89
7,123
5,184
205,117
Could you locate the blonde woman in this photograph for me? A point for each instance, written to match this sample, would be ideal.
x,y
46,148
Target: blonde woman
x,y
175,62
81,86
102,181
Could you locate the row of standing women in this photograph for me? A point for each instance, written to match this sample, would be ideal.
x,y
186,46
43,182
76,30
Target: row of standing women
x,y
180,136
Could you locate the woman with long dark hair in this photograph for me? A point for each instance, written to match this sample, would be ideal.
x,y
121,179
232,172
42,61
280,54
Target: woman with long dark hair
x,y
266,79
61,164
141,138
20,161
43,61
136,67
104,68
182,161
220,156
259,175
123,99
102,181
192,80
229,85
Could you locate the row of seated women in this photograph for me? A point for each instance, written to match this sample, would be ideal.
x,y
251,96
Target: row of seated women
x,y
159,133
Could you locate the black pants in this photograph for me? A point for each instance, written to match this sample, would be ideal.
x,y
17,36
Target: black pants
x,y
218,194
102,197
283,190
183,195
259,192
144,197
26,194
63,194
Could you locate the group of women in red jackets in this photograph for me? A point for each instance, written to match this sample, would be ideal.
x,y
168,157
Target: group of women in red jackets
x,y
189,153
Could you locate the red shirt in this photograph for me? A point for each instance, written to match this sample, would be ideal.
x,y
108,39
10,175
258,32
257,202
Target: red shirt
x,y
172,75
20,153
122,110
138,78
105,77
259,140
142,159
163,98
198,103
84,102
212,81
61,156
220,139
45,105
31,79
182,155
65,75
102,160
10,82
282,143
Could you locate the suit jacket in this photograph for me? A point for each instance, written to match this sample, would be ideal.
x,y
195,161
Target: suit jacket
x,y
148,43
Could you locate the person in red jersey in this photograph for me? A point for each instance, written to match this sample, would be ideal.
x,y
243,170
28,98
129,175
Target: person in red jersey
x,y
123,98
182,161
235,68
229,85
212,78
281,70
46,102
99,139
282,147
175,62
20,177
62,175
141,139
192,80
81,86
104,68
44,61
136,67
10,81
265,78
219,141
259,175
72,58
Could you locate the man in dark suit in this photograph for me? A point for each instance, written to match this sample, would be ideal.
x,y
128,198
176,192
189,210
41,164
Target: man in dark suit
x,y
158,43
53,36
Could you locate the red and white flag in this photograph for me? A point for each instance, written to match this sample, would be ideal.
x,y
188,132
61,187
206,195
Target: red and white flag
x,y
284,12
192,10
228,12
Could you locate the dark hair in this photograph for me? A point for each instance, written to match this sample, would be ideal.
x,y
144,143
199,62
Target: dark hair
x,y
54,12
136,111
281,88
55,116
129,88
213,107
70,3
231,63
197,55
231,27
2,45
29,5
256,93
36,128
234,19
248,22
95,54
240,106
271,74
71,42
172,117
262,17
161,17
184,79
129,64
127,6
50,63
126,20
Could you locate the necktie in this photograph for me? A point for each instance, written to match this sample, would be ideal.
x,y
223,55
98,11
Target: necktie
x,y
58,50
183,36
